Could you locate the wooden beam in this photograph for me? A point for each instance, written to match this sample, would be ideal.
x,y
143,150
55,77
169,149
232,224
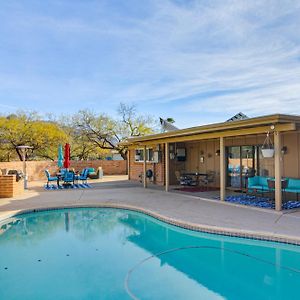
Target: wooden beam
x,y
145,167
278,171
224,126
219,134
167,167
222,170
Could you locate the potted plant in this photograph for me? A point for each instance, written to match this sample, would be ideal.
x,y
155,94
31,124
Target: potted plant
x,y
267,147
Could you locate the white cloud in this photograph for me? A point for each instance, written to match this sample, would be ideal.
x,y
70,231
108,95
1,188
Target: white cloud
x,y
217,56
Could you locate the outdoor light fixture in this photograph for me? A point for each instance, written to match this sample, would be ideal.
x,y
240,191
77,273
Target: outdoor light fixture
x,y
24,149
172,155
218,153
284,150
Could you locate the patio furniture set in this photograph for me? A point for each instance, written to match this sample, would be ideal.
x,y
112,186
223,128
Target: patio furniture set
x,y
256,184
265,185
195,178
67,177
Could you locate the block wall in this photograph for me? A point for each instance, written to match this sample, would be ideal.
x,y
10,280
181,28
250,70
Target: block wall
x,y
136,168
35,169
9,187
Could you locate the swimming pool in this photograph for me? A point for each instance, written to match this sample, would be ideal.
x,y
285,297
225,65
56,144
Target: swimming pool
x,y
95,253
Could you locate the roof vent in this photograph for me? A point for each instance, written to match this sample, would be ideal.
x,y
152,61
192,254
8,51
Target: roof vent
x,y
238,117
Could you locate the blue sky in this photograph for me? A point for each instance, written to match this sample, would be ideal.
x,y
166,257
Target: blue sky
x,y
196,61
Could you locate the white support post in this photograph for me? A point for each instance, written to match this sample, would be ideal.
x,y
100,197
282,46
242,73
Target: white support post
x,y
278,171
128,164
167,167
145,167
222,170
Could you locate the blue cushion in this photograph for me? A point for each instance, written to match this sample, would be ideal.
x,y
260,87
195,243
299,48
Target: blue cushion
x,y
258,181
69,176
294,183
252,181
292,190
263,181
257,187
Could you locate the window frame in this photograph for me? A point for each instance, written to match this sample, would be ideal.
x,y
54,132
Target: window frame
x,y
148,151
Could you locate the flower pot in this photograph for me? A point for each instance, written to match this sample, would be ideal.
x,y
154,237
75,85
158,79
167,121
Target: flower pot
x,y
267,153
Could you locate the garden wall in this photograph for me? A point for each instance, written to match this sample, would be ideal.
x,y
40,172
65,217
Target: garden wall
x,y
35,169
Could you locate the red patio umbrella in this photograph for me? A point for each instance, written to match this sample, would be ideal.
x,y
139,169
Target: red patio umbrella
x,y
67,156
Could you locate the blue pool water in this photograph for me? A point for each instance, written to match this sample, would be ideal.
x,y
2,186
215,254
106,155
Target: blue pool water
x,y
119,254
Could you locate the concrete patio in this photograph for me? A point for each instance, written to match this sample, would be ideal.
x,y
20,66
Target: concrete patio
x,y
180,209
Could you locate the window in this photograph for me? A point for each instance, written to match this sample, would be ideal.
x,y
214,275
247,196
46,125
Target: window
x,y
151,155
139,155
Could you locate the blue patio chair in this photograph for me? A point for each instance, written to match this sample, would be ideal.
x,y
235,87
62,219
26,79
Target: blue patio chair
x,y
50,178
83,176
69,177
62,172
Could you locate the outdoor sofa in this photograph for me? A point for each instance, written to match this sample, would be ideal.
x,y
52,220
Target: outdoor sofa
x,y
92,174
260,184
293,186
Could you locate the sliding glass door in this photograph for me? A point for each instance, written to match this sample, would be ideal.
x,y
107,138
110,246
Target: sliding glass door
x,y
241,163
234,167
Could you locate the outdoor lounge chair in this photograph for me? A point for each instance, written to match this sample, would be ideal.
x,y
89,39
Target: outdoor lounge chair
x,y
94,174
50,178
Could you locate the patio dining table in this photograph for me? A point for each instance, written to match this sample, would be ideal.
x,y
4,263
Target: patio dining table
x,y
197,175
284,185
60,176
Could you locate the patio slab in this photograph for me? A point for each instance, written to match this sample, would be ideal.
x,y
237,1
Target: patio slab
x,y
179,209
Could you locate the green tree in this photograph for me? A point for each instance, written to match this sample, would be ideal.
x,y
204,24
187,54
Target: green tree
x,y
170,120
28,129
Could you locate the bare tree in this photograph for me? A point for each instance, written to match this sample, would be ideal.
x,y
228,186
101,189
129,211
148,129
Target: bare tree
x,y
107,133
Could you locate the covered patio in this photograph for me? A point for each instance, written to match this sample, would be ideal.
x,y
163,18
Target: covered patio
x,y
222,159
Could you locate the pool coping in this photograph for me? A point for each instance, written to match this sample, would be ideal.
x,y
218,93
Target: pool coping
x,y
264,236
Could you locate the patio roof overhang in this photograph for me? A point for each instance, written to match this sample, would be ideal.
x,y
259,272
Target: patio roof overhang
x,y
258,125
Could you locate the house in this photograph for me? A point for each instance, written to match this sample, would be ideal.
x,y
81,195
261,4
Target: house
x,y
229,149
